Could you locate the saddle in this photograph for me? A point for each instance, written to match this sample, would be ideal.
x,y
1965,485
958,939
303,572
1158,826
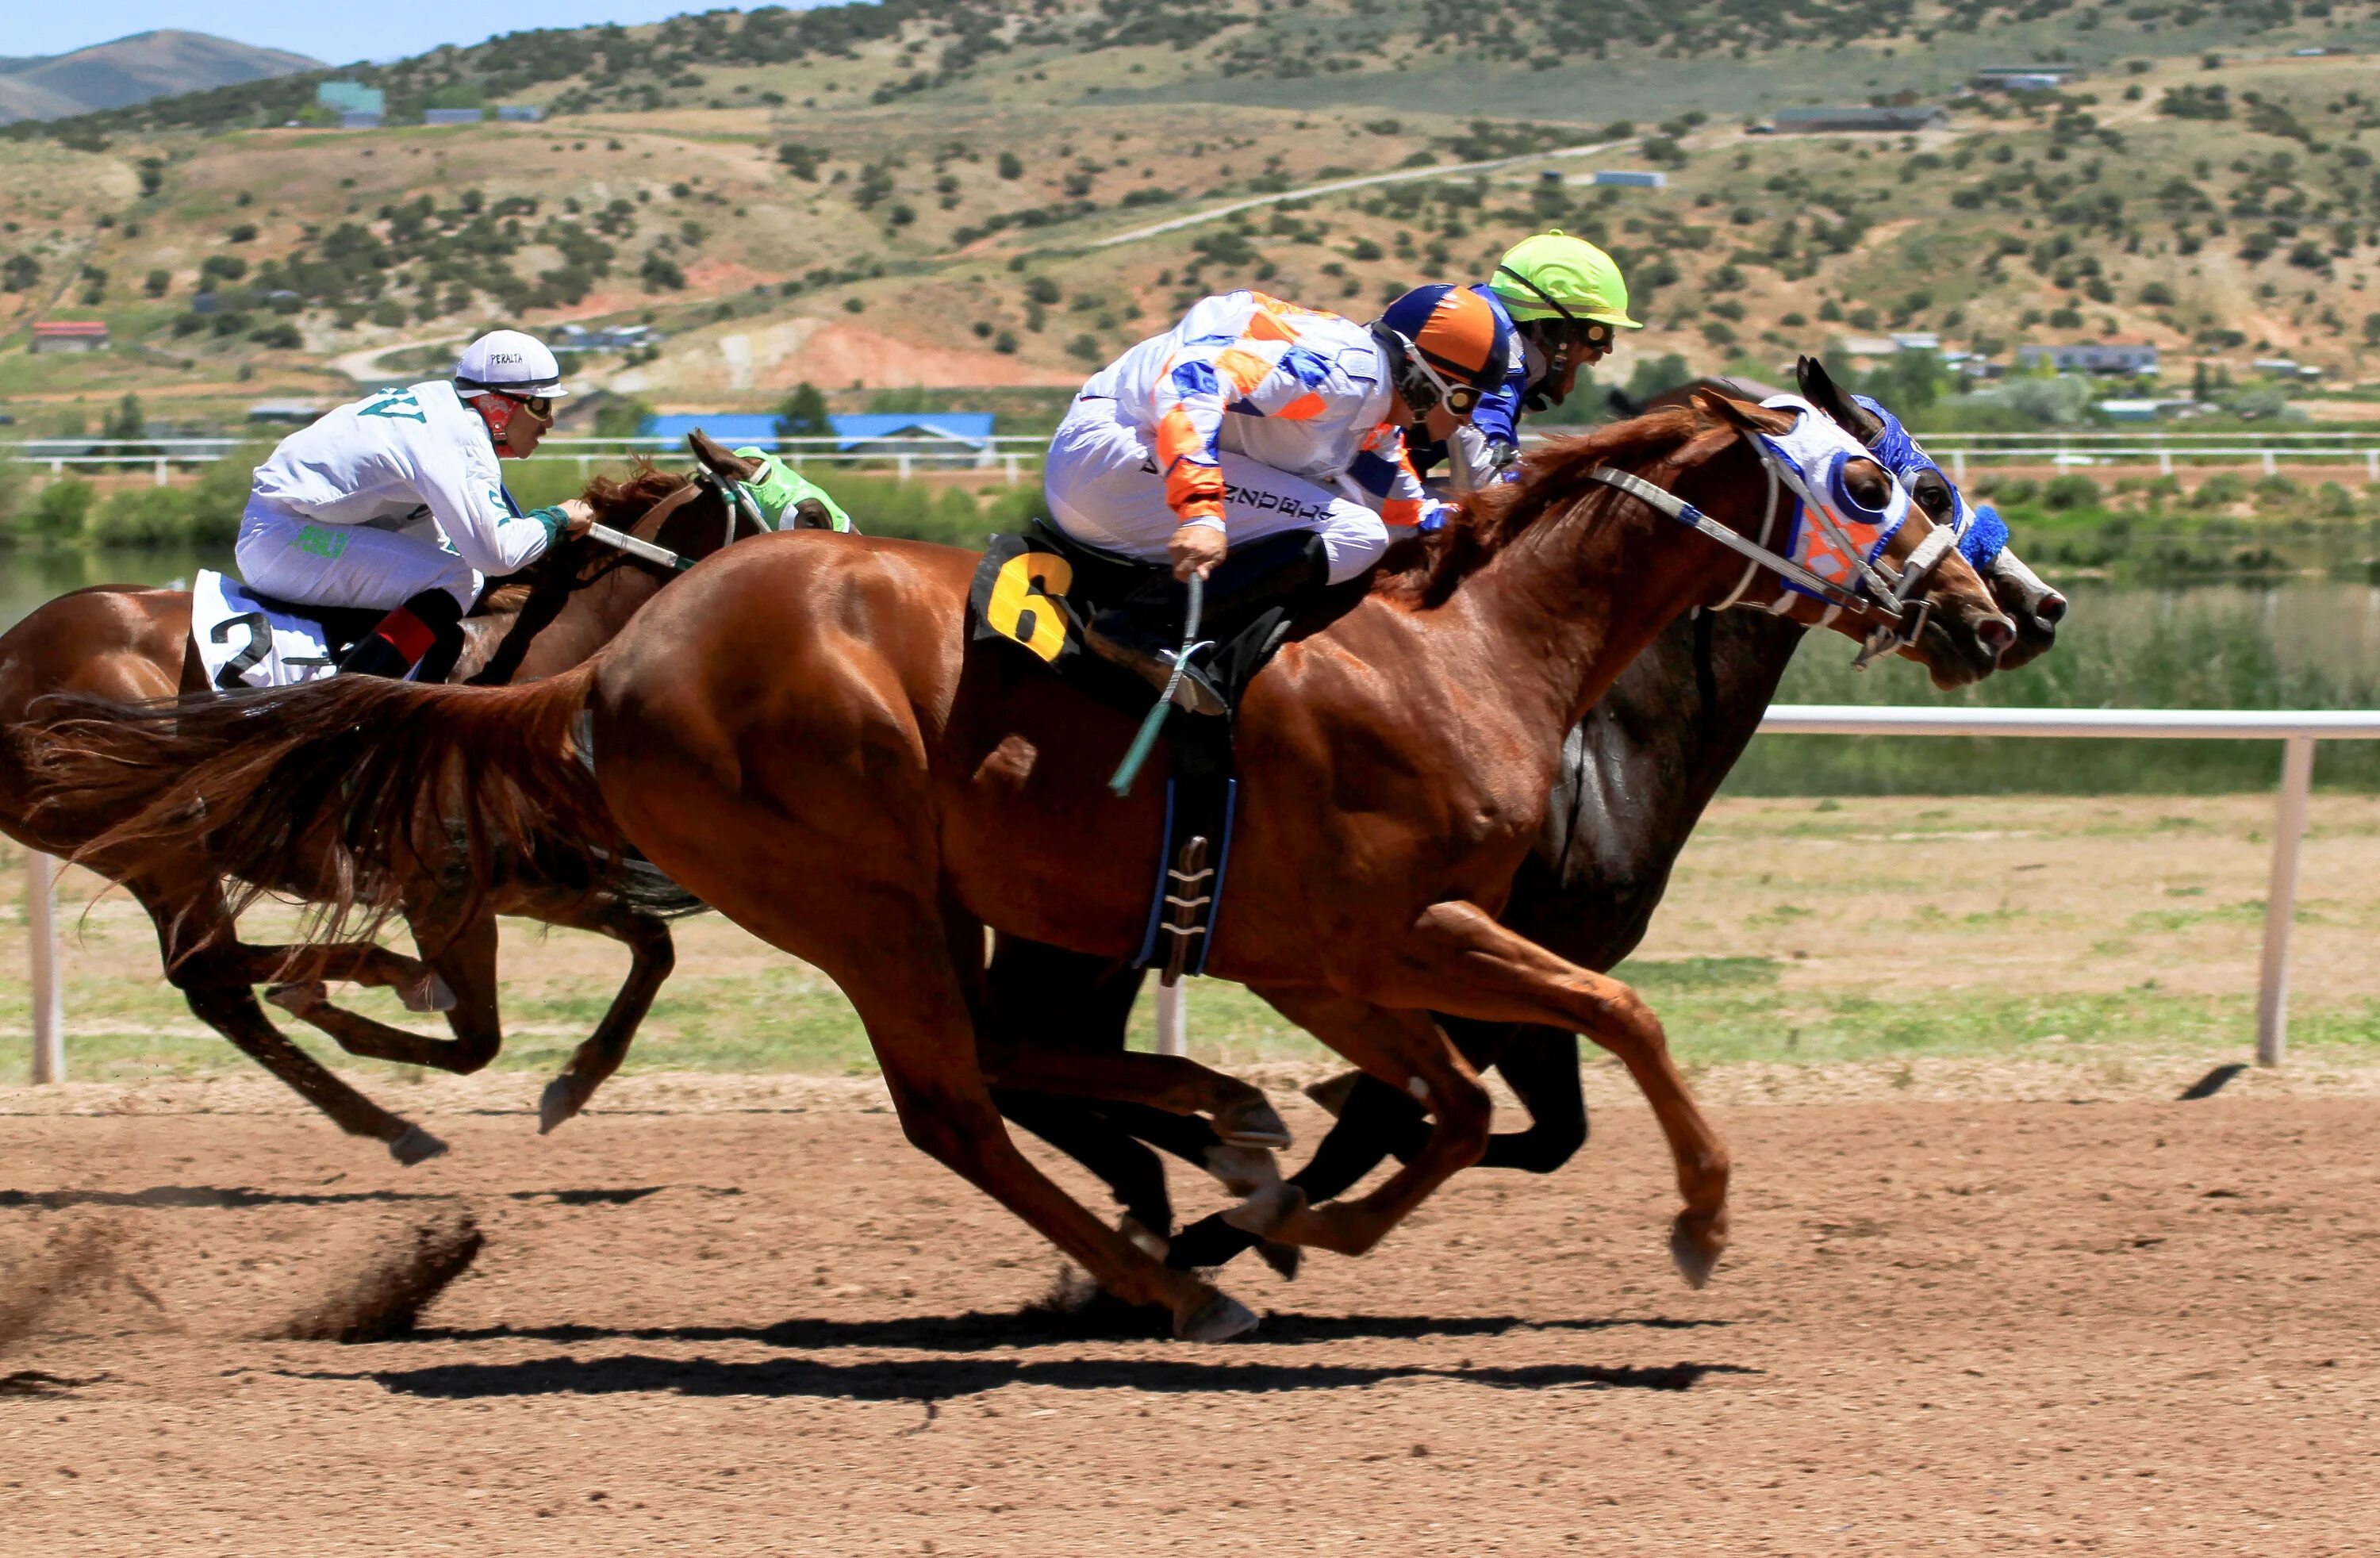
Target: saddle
x,y
1039,590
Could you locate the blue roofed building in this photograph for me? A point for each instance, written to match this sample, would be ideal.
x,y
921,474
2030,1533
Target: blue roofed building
x,y
936,438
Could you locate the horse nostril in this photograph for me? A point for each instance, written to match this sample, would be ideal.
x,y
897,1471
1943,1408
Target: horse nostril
x,y
2051,608
1996,633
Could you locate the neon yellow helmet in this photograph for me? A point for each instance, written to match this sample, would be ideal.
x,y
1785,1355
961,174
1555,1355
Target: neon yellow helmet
x,y
1554,275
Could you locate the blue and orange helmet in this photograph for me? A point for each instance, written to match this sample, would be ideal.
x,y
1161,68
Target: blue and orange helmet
x,y
1445,345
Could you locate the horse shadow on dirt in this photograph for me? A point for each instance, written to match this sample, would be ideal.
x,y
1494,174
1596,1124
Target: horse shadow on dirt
x,y
934,1380
981,1331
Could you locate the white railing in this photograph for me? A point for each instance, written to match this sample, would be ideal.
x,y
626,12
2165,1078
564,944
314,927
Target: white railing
x,y
1015,454
2298,729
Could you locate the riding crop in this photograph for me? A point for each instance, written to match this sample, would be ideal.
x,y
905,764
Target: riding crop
x,y
1129,770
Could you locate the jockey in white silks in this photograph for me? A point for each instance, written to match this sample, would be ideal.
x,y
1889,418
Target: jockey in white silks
x,y
396,503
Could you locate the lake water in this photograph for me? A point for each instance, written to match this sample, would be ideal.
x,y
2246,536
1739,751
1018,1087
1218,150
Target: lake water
x,y
27,577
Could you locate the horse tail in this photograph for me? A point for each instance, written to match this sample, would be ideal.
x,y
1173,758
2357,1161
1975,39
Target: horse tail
x,y
341,790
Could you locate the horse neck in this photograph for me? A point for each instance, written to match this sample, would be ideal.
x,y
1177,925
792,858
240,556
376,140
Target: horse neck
x,y
591,617
1573,597
1638,772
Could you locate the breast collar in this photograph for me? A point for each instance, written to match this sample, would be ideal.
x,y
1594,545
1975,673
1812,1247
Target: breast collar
x,y
1833,546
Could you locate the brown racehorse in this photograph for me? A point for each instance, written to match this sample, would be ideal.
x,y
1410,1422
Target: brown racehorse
x,y
802,736
128,643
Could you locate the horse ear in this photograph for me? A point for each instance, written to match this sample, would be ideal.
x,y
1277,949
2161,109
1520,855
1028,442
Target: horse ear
x,y
716,458
1742,414
1819,387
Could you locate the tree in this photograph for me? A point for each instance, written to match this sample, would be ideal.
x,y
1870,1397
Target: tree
x,y
125,420
157,283
20,272
804,414
1010,166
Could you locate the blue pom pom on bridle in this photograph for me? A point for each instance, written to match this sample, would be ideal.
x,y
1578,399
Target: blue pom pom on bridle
x,y
1985,535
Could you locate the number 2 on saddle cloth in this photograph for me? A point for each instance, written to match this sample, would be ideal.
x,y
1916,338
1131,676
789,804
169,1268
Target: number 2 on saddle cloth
x,y
1036,592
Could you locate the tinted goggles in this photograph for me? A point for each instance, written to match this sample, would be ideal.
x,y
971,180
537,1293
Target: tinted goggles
x,y
1460,398
538,406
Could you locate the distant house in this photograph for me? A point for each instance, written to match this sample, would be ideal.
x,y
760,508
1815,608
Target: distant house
x,y
2285,367
729,428
295,413
452,115
519,113
2145,410
889,433
358,106
1630,178
69,336
606,338
1916,341
2094,357
1837,121
1869,346
2024,78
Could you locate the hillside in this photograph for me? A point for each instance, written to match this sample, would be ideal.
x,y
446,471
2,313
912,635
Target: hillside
x,y
945,193
134,70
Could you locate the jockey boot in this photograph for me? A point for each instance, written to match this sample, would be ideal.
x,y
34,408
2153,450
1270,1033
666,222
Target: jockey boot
x,y
1279,575
427,630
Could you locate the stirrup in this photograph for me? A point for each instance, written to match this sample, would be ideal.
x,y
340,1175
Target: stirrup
x,y
1192,695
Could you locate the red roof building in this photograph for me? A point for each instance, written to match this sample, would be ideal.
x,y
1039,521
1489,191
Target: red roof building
x,y
69,336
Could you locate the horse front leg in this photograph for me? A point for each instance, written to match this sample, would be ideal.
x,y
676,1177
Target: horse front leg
x,y
1461,962
1407,1051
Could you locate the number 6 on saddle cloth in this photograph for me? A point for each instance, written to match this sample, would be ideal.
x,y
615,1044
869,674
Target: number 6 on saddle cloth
x,y
1036,591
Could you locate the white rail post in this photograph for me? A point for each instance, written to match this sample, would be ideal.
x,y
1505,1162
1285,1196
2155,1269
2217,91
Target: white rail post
x,y
1174,1020
41,928
1959,466
2281,902
164,478
2272,467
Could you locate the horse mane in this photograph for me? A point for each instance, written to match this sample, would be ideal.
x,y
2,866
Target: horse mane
x,y
620,503
1425,571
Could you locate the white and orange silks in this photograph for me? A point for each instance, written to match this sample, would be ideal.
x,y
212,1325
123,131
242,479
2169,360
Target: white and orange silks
x,y
1252,416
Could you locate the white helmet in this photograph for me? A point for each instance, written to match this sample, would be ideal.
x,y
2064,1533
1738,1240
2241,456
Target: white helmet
x,y
508,362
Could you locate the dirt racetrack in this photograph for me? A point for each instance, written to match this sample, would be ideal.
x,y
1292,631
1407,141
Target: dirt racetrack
x,y
1945,1326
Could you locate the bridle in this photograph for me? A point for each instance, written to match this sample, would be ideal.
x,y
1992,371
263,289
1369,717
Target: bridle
x,y
735,498
1881,595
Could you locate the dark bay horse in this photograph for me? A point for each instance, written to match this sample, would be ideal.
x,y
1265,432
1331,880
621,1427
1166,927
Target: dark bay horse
x,y
802,736
1636,775
129,644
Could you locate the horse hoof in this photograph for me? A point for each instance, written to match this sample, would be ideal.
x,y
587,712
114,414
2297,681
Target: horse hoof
x,y
1284,1259
1330,1095
300,998
1252,1123
429,994
558,1102
416,1146
1266,1209
1240,1169
1218,1319
1695,1247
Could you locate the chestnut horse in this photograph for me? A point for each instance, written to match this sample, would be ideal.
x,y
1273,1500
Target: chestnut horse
x,y
1635,776
802,735
129,644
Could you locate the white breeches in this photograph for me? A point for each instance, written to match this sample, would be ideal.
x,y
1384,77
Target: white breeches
x,y
312,564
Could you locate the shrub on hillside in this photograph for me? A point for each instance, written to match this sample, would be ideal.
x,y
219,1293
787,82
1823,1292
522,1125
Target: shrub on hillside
x,y
58,514
2071,491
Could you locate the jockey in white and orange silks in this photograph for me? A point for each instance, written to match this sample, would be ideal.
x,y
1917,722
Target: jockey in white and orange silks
x,y
1254,416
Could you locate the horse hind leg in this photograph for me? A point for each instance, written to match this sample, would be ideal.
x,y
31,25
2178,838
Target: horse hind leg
x,y
464,970
217,993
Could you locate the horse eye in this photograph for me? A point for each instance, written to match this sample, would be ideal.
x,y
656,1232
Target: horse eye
x,y
1933,495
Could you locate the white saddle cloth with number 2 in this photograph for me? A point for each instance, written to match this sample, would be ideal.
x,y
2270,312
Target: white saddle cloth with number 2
x,y
242,644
